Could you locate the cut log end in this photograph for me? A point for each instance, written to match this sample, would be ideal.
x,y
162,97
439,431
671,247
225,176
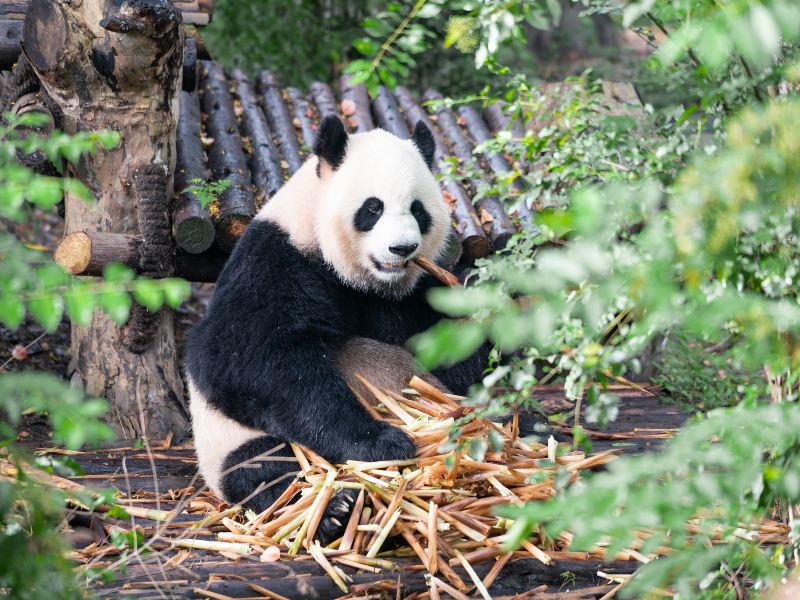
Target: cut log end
x,y
476,246
230,229
74,253
194,234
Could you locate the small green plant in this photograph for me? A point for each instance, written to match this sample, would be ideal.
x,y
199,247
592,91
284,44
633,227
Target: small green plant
x,y
207,192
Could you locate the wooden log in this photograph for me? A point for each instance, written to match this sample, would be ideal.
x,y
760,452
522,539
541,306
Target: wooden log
x,y
467,225
193,228
490,210
323,97
498,120
10,38
13,7
136,94
189,65
264,166
359,118
87,253
305,118
236,206
279,119
480,133
388,115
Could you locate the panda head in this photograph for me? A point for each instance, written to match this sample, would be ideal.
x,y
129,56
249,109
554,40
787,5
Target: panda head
x,y
378,207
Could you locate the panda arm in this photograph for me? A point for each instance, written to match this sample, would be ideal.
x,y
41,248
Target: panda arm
x,y
420,316
263,355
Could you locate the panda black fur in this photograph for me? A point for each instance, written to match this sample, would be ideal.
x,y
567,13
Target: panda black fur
x,y
321,284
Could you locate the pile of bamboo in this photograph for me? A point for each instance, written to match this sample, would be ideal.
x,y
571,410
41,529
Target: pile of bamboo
x,y
437,507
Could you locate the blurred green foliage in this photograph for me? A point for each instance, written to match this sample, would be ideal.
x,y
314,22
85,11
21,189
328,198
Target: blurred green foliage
x,y
698,374
314,40
33,561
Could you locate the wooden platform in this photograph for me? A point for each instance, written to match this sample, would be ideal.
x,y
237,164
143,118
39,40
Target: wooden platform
x,y
165,477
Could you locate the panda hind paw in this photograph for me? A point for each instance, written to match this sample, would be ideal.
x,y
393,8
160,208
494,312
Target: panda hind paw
x,y
335,518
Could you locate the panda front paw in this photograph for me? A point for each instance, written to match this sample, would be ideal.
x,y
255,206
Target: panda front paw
x,y
394,444
389,443
334,519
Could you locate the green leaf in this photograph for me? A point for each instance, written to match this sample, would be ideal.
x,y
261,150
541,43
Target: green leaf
x,y
366,46
118,273
12,310
47,309
477,449
495,440
447,343
176,291
51,275
387,78
116,304
148,293
77,188
44,192
109,139
81,302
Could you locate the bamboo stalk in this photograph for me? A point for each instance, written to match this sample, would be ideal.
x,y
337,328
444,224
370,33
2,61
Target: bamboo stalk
x,y
440,273
433,536
496,569
352,524
474,576
322,561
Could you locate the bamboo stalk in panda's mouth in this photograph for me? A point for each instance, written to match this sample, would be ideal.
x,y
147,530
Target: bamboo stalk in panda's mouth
x,y
442,274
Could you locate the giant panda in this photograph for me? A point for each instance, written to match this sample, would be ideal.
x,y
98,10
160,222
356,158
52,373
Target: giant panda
x,y
321,285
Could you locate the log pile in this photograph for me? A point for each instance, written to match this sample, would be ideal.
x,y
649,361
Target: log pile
x,y
257,135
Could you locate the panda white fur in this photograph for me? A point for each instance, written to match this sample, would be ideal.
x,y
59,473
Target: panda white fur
x,y
320,285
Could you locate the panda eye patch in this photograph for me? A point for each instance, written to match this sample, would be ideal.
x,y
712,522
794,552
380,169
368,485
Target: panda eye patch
x,y
368,214
422,216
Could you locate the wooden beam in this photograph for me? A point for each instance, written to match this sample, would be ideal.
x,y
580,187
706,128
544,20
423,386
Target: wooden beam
x,y
86,253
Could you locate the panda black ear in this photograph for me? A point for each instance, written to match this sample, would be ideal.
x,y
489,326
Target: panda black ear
x,y
423,140
331,142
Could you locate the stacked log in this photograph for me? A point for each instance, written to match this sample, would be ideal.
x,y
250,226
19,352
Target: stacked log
x,y
280,120
255,141
480,133
305,118
263,155
323,97
193,229
85,253
387,114
355,105
490,210
236,206
467,225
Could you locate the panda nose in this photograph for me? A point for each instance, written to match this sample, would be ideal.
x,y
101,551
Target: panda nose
x,y
403,250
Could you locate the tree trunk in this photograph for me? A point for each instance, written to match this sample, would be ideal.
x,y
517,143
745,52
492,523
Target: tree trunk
x,y
117,65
